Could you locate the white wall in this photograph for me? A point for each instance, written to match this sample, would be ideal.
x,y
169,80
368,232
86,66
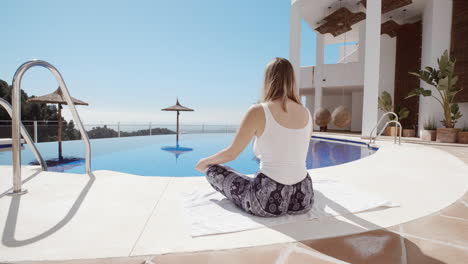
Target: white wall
x,y
343,74
351,74
352,101
331,102
436,29
310,103
335,75
437,19
386,69
371,66
307,77
356,111
436,37
351,51
361,42
463,122
387,64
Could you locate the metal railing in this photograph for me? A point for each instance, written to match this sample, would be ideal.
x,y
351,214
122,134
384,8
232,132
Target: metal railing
x,y
16,119
397,124
26,135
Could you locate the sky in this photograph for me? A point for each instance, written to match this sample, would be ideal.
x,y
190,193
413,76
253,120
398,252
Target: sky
x,y
130,59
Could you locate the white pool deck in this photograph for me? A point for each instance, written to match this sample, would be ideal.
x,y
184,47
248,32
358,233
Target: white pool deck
x,y
112,214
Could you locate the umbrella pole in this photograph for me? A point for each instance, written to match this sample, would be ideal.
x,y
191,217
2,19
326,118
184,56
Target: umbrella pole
x,y
59,133
177,131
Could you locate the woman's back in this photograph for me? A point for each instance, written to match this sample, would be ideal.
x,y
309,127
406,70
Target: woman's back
x,y
283,142
282,128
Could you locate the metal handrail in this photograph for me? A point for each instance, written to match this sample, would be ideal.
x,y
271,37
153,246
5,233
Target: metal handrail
x,y
26,136
386,124
16,119
398,126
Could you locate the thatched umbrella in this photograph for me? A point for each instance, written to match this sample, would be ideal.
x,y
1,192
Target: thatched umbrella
x,y
56,98
177,107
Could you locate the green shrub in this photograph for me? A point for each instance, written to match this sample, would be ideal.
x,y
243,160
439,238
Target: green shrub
x,y
430,124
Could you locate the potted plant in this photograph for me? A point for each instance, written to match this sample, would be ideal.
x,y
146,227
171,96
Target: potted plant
x,y
409,131
430,130
444,81
385,104
463,135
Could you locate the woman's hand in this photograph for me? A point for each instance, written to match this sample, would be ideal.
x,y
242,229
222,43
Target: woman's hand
x,y
244,135
201,165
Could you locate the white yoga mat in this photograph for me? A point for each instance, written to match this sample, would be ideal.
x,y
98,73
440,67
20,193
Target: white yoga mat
x,y
208,212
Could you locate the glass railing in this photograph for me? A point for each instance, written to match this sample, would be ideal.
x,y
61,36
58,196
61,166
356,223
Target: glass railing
x,y
46,131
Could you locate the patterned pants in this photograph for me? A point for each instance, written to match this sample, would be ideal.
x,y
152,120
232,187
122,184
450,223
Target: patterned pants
x,y
261,196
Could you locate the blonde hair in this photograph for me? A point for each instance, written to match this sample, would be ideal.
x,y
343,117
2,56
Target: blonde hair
x,y
279,82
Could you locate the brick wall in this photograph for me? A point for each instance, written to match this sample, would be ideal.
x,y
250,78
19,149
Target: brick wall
x,y
459,46
408,59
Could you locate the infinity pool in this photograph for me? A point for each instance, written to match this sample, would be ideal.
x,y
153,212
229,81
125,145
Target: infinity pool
x,y
158,155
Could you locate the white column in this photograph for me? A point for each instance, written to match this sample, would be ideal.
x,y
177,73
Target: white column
x,y
371,66
436,29
35,132
362,43
295,41
310,102
318,71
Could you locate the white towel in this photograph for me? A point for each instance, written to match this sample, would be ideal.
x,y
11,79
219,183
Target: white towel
x,y
208,212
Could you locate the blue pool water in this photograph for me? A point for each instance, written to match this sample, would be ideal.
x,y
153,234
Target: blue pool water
x,y
156,156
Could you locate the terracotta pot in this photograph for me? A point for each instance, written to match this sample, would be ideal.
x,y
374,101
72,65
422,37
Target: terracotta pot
x,y
463,137
390,131
409,132
428,135
447,135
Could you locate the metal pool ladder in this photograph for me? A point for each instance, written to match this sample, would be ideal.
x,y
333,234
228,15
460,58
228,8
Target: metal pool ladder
x,y
398,126
26,136
16,121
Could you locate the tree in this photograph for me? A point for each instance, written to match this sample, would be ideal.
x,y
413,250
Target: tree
x,y
445,82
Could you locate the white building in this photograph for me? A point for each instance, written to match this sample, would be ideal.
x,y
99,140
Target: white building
x,y
378,62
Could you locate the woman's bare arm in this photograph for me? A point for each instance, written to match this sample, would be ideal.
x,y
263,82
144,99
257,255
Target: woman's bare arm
x,y
247,130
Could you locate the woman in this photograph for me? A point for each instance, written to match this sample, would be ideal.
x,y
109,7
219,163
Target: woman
x,y
282,128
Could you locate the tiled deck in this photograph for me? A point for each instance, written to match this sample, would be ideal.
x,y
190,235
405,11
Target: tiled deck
x,y
440,237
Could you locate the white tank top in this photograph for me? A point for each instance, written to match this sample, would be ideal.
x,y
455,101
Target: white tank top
x,y
282,151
